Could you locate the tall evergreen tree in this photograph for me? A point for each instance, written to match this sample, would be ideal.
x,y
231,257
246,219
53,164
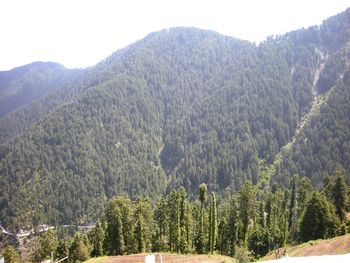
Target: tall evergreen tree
x,y
48,242
293,204
144,224
174,221
213,225
304,190
114,241
233,226
200,243
96,240
247,208
317,221
161,216
79,250
339,196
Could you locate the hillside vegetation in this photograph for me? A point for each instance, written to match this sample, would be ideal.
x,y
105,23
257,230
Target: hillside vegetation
x,y
178,108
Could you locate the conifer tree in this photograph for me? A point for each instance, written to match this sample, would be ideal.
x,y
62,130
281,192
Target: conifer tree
x,y
96,240
339,196
113,242
233,226
293,204
316,220
144,224
247,207
79,249
161,215
213,225
200,234
174,220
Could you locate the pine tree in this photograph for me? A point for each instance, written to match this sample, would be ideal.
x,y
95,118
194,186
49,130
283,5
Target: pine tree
x,y
126,211
144,224
48,242
316,221
233,226
293,205
96,240
200,235
174,221
79,249
161,216
213,225
139,234
247,207
114,241
259,241
339,196
304,189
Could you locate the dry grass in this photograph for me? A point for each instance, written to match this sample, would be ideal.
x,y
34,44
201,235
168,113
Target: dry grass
x,y
334,246
167,258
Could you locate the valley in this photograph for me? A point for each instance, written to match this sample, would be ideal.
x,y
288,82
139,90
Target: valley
x,y
186,141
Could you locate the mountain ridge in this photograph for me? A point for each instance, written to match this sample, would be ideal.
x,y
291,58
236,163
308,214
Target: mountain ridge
x,y
181,107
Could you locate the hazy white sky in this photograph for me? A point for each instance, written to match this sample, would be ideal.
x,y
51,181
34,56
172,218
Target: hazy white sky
x,y
79,33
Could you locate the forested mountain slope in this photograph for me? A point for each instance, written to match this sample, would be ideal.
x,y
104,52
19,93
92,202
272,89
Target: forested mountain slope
x,y
25,87
20,86
180,107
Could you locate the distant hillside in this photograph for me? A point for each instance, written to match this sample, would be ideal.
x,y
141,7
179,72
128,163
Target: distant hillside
x,y
178,108
20,86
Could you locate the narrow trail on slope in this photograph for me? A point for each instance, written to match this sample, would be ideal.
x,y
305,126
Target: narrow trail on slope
x,y
267,171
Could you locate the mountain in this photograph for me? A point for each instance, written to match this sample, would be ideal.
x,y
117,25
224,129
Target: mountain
x,y
21,86
28,86
180,107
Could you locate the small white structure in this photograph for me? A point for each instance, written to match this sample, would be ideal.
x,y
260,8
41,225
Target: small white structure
x,y
150,258
2,260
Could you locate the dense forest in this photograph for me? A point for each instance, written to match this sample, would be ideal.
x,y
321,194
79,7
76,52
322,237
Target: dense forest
x,y
179,108
246,226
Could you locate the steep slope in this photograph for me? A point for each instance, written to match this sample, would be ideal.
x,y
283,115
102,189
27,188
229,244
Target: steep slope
x,y
178,108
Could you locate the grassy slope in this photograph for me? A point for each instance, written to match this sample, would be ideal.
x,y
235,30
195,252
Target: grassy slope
x,y
169,258
334,246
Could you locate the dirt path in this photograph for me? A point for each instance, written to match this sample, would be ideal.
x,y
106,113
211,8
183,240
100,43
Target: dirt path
x,y
167,258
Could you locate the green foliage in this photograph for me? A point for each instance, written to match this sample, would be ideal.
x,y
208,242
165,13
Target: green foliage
x,y
247,208
114,240
340,196
96,240
11,255
47,246
200,238
20,86
318,220
79,250
258,241
213,224
62,249
178,108
173,224
143,216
